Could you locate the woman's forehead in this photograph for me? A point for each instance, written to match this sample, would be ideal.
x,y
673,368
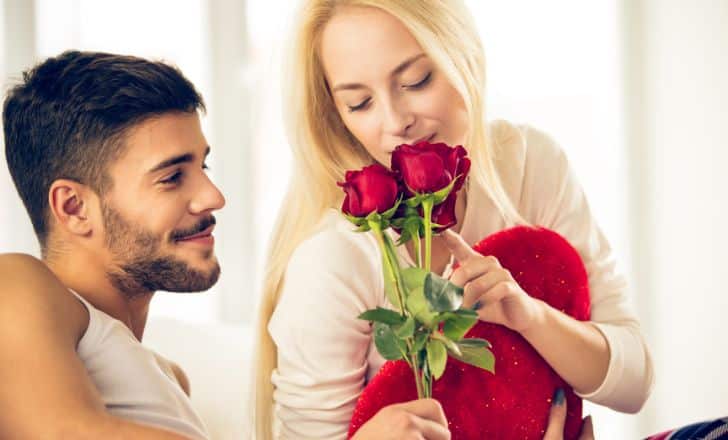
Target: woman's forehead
x,y
357,40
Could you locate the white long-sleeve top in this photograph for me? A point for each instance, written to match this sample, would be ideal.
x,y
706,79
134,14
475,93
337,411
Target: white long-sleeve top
x,y
326,355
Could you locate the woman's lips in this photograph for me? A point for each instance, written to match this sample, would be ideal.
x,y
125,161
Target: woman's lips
x,y
425,139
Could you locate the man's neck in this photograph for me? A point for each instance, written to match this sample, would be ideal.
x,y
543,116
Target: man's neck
x,y
86,275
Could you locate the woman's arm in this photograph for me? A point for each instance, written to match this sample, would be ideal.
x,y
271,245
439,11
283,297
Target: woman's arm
x,y
606,360
576,350
322,346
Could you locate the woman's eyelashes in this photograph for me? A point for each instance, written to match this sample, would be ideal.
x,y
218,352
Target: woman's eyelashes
x,y
419,84
416,86
360,106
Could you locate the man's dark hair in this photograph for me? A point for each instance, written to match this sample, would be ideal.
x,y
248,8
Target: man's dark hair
x,y
68,117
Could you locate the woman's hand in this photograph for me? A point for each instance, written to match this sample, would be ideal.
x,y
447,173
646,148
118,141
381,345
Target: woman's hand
x,y
489,288
415,420
557,421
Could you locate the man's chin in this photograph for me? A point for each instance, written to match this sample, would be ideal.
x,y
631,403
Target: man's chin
x,y
167,274
201,277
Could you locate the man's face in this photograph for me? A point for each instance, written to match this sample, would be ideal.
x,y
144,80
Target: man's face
x,y
157,216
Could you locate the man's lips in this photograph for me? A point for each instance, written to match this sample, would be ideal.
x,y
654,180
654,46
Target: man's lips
x,y
207,232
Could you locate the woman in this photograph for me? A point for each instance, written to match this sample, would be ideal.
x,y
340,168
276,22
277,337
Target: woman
x,y
368,75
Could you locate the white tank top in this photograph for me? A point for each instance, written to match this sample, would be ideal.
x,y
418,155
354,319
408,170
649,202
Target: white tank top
x,y
133,383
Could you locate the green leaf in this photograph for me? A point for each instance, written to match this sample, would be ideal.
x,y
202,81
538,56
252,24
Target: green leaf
x,y
411,227
421,338
387,343
442,194
414,201
404,237
406,329
436,357
442,295
479,357
361,223
374,216
414,277
419,308
449,344
363,228
475,343
390,212
457,325
356,220
382,315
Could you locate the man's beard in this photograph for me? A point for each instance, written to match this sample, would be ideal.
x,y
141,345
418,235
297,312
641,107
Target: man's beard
x,y
140,266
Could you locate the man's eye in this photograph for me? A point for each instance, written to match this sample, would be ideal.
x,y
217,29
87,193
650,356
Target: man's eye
x,y
174,178
359,106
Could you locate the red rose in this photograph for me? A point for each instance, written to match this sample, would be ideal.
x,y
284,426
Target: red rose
x,y
373,188
427,168
444,213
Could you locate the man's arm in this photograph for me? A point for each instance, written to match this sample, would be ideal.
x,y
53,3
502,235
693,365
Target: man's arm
x,y
46,392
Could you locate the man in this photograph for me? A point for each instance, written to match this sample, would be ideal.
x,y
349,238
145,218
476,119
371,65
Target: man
x,y
107,154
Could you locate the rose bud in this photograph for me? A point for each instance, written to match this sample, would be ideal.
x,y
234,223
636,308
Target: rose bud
x,y
373,188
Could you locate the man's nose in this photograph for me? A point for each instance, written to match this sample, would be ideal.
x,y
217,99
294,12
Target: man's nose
x,y
208,198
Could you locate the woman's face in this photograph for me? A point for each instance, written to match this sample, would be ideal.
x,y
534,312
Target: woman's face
x,y
387,91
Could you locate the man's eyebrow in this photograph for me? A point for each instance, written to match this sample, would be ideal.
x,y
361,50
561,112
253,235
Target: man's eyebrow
x,y
397,70
176,160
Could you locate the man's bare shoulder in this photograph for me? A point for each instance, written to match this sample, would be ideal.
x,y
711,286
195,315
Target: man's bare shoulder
x,y
33,298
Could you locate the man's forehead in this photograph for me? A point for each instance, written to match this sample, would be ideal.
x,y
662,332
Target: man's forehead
x,y
160,138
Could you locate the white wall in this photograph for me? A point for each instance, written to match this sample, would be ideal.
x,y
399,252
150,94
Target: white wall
x,y
18,50
678,139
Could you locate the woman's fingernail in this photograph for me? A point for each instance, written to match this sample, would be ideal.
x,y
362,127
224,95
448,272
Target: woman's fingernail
x,y
478,305
558,397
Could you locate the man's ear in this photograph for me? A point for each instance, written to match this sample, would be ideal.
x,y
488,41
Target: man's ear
x,y
71,206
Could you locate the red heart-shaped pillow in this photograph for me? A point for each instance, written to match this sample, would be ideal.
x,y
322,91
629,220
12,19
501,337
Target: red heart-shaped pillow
x,y
514,403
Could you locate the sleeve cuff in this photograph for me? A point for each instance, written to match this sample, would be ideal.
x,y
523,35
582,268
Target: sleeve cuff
x,y
629,376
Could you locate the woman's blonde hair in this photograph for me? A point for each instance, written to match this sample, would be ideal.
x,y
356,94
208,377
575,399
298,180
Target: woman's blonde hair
x,y
323,148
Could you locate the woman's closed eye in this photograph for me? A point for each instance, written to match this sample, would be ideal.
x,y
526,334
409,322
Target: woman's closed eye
x,y
416,86
361,106
419,84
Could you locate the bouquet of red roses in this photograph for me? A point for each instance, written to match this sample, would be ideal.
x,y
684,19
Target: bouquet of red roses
x,y
416,198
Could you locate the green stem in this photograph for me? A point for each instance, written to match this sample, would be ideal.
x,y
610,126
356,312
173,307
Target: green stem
x,y
427,211
418,248
426,381
389,257
389,246
418,377
394,277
